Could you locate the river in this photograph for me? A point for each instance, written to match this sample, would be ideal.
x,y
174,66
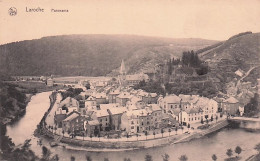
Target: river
x,y
196,150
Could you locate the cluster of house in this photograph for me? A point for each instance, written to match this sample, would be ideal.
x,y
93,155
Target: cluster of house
x,y
238,95
107,108
126,109
129,110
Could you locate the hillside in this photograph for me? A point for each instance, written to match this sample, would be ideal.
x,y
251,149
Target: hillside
x,y
241,51
90,55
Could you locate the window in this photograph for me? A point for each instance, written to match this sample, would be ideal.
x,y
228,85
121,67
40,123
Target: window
x,y
132,127
171,106
100,120
132,122
106,119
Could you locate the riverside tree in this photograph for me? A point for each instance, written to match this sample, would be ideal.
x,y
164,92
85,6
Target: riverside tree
x,y
148,157
88,158
165,157
238,150
183,158
214,157
229,152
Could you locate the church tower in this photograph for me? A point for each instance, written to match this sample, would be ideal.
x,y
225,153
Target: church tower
x,y
122,76
122,68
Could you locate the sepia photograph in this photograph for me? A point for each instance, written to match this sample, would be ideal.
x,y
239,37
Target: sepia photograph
x,y
129,80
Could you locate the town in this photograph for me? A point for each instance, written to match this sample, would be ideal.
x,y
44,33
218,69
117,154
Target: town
x,y
112,108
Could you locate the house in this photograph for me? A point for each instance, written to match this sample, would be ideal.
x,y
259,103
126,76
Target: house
x,y
170,102
115,115
73,123
103,118
155,115
135,103
50,82
112,96
122,98
231,106
91,103
134,79
59,116
192,115
92,127
70,104
101,98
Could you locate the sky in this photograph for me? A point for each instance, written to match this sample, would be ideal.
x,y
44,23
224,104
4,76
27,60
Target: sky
x,y
208,19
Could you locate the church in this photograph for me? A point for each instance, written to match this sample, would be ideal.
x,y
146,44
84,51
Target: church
x,y
130,80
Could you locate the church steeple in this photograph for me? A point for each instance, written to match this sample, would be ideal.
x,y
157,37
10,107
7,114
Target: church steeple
x,y
122,68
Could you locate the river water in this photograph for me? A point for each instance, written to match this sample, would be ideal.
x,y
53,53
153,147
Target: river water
x,y
196,150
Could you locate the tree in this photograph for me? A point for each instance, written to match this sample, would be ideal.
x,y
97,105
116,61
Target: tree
x,y
88,158
211,118
91,136
127,159
127,136
154,134
45,153
214,157
165,157
146,133
162,131
55,158
99,136
72,158
183,158
148,157
202,121
238,150
257,147
207,121
63,133
229,152
206,117
169,130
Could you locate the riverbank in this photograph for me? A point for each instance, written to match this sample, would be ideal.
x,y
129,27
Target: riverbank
x,y
121,143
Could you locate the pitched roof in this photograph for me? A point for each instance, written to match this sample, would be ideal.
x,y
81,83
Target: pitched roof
x,y
71,117
115,111
231,100
69,102
172,99
101,113
155,107
93,122
124,95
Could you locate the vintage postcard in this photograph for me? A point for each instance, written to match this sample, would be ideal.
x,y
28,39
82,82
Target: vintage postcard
x,y
129,80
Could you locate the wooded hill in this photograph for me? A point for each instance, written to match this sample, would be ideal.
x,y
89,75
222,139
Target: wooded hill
x,y
90,55
241,51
